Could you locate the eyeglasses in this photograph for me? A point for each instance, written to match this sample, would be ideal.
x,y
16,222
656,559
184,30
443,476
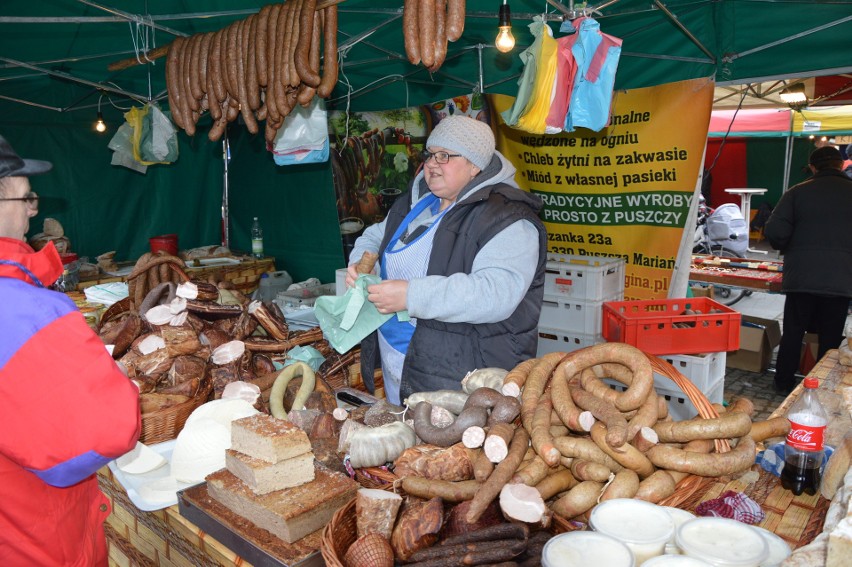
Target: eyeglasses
x,y
31,199
440,157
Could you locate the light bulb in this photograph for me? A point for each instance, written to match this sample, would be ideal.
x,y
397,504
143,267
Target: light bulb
x,y
505,40
100,126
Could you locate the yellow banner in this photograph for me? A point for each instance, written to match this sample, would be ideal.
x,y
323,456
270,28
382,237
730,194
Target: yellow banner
x,y
624,191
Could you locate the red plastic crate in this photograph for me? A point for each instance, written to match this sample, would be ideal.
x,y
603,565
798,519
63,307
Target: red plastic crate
x,y
660,326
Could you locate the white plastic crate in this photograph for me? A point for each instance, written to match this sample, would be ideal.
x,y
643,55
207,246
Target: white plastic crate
x,y
572,315
680,406
701,369
555,340
592,278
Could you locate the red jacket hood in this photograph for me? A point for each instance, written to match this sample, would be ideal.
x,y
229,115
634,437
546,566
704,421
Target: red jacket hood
x,y
46,265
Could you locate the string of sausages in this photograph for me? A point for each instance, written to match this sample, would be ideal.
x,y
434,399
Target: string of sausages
x,y
427,26
258,68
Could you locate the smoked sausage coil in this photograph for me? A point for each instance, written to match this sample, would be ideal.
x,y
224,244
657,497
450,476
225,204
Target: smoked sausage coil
x,y
206,41
172,65
250,49
410,31
455,19
426,20
214,69
271,69
307,94
232,54
245,109
259,39
195,67
295,40
186,99
187,69
306,71
440,35
282,70
330,68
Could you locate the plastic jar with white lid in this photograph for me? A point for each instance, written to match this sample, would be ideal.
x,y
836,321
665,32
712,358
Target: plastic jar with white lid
x,y
582,548
643,527
678,517
722,542
779,550
675,561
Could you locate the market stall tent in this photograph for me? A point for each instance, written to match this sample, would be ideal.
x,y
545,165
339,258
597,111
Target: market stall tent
x,y
60,61
768,147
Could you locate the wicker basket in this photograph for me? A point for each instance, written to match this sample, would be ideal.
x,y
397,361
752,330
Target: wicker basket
x,y
245,276
691,485
165,424
377,477
338,535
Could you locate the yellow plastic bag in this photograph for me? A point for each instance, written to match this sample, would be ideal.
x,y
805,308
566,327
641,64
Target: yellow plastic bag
x,y
154,137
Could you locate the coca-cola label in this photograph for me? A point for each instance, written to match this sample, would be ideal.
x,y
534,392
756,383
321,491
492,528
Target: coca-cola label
x,y
806,437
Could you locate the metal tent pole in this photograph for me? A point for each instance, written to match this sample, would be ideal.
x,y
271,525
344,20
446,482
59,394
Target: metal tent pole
x,y
226,157
788,156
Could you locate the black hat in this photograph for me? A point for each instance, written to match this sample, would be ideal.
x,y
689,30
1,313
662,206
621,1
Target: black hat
x,y
824,155
12,165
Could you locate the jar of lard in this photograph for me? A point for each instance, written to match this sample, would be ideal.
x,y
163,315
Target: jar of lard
x,y
722,542
582,549
644,527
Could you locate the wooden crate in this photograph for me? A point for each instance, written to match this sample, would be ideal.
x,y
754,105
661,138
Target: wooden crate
x,y
162,538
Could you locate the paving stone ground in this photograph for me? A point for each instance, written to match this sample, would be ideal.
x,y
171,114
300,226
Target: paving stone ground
x,y
757,386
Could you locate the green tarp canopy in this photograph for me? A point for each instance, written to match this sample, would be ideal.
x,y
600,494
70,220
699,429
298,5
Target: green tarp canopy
x,y
54,74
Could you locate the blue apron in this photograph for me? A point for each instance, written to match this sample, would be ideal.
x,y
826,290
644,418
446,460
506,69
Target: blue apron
x,y
404,262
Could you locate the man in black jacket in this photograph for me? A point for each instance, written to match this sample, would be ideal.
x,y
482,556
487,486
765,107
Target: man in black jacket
x,y
812,227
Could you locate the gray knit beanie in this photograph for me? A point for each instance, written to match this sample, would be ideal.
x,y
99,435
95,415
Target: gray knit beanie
x,y
466,136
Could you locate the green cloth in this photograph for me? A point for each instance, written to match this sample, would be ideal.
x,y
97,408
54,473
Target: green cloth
x,y
307,354
348,318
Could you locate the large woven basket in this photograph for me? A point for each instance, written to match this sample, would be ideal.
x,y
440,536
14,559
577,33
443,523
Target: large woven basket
x,y
165,424
377,477
244,277
338,535
691,485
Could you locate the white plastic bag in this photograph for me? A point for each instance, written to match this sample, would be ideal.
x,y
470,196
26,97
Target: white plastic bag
x,y
303,129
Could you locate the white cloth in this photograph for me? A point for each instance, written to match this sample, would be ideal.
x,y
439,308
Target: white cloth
x,y
107,293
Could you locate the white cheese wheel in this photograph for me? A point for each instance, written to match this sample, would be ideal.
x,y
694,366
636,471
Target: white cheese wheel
x,y
201,444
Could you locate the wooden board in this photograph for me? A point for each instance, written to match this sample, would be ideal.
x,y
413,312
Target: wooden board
x,y
254,544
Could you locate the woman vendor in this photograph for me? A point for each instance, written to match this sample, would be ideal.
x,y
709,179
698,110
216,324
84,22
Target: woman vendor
x,y
465,255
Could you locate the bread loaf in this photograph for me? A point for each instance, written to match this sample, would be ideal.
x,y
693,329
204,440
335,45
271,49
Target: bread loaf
x,y
292,513
263,477
268,438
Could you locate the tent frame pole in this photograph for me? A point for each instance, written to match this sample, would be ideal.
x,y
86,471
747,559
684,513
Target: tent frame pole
x,y
788,157
226,158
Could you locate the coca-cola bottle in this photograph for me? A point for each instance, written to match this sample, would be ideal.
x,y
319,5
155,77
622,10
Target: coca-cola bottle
x,y
804,448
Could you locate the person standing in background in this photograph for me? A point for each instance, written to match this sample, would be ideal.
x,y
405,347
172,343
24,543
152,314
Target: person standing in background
x,y
464,252
66,408
811,227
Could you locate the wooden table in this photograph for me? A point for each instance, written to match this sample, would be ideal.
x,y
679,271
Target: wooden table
x,y
747,274
244,276
164,538
796,519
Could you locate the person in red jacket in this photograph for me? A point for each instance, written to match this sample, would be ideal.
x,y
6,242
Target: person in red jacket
x,y
66,408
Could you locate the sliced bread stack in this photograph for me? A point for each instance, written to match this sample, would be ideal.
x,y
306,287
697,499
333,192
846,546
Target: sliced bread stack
x,y
269,454
272,479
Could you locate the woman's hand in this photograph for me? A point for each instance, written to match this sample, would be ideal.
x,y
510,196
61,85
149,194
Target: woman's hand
x,y
351,276
389,296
